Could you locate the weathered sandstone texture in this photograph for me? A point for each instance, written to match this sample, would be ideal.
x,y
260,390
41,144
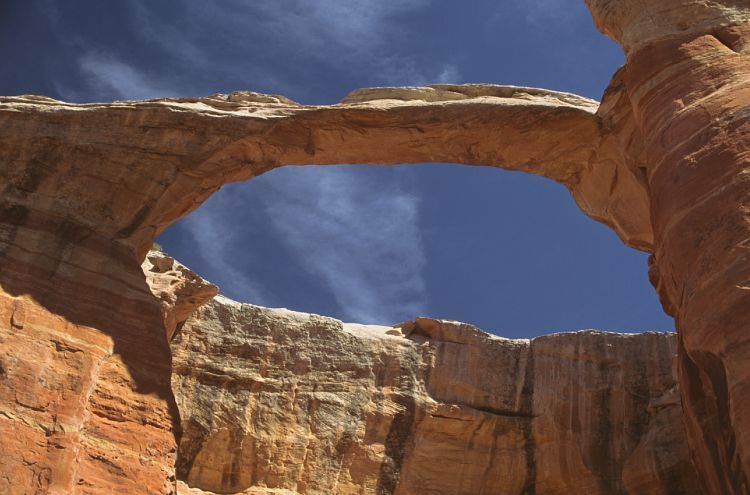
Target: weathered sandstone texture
x,y
686,85
272,399
85,188
85,367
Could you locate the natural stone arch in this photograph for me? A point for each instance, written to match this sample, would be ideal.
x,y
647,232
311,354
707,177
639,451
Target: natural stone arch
x,y
86,187
170,154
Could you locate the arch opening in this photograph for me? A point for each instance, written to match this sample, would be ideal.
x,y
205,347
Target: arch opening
x,y
385,404
508,252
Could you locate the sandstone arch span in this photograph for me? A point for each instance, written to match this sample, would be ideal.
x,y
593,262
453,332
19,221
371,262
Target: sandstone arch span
x,y
169,154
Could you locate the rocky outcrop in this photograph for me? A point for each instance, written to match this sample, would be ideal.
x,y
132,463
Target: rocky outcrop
x,y
85,366
636,24
179,290
85,402
272,399
687,80
85,188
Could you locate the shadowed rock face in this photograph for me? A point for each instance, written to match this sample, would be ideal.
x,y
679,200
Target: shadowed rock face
x,y
275,399
85,399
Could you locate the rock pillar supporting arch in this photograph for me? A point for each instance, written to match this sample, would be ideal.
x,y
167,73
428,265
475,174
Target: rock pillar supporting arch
x,y
688,80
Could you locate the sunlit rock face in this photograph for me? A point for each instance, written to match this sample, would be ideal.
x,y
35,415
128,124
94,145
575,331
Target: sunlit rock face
x,y
639,23
85,399
85,365
85,188
275,399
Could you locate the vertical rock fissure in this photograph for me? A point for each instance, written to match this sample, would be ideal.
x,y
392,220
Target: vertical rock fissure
x,y
527,407
708,401
396,444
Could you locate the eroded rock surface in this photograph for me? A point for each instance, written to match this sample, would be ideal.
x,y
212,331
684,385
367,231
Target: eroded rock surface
x,y
85,403
179,290
272,399
687,81
85,188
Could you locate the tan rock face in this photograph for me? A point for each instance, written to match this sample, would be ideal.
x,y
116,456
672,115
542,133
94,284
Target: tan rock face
x,y
86,187
84,362
274,399
80,410
636,24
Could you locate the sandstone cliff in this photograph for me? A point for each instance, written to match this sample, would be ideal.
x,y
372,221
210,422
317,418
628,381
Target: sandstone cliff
x,y
85,188
85,365
272,399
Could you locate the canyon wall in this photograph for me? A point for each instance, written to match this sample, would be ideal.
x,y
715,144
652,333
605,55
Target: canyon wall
x,y
85,366
295,403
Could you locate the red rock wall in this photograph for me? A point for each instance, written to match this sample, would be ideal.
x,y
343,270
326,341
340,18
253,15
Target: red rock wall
x,y
698,175
688,81
271,398
85,368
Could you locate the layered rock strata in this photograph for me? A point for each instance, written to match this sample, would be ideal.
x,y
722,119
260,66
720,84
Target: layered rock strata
x,y
85,188
687,81
296,403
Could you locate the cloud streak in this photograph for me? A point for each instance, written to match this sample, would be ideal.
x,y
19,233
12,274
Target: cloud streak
x,y
265,45
356,234
355,36
217,239
364,242
113,78
543,13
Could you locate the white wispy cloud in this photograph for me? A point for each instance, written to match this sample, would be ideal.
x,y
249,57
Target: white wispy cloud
x,y
364,242
349,36
318,28
359,237
110,78
542,13
395,71
355,25
449,75
353,34
217,238
245,41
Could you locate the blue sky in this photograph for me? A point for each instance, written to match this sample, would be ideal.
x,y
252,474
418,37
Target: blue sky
x,y
508,252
